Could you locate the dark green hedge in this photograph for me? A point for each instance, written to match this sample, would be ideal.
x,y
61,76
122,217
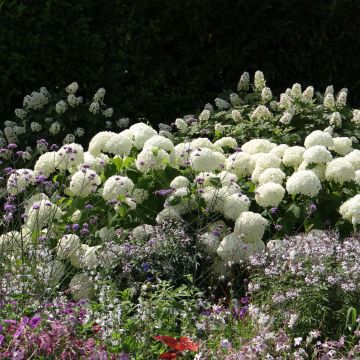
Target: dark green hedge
x,y
161,59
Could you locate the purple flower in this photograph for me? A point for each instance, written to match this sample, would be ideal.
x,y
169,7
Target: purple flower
x,y
54,147
164,192
145,267
36,206
34,322
12,146
88,206
9,207
8,170
278,227
42,142
40,179
75,227
21,327
274,210
2,339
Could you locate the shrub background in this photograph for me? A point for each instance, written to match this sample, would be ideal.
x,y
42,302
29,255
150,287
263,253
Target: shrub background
x,y
162,59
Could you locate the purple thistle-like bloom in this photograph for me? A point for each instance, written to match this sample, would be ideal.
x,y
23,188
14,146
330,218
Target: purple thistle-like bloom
x,y
164,192
42,238
54,147
9,207
8,170
2,339
75,227
274,210
84,231
19,153
42,142
40,179
88,206
12,146
36,206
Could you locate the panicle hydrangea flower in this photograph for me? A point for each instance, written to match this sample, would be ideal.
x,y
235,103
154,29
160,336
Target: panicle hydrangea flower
x,y
123,123
35,126
94,107
259,80
261,113
285,101
54,128
235,99
341,97
204,115
329,101
236,115
72,88
221,104
243,84
266,94
181,124
308,94
286,118
79,132
335,119
20,113
303,182
37,100
296,91
356,116
108,112
61,107
69,138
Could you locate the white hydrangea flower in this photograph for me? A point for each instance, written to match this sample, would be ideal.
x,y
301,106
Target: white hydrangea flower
x,y
180,182
19,130
226,141
210,242
109,112
152,159
329,90
139,195
53,272
82,287
286,118
91,258
296,91
36,100
227,178
35,126
233,249
350,209
72,100
266,94
319,137
235,205
335,119
221,104
67,246
206,160
186,203
274,175
141,133
182,153
250,226
202,143
235,99
240,163
99,95
167,214
308,94
317,169
263,162
256,146
46,164
159,142
69,156
79,132
236,115
329,101
357,177
181,124
293,156
30,201
261,113
329,130
72,88
115,186
269,194
243,84
41,214
219,128
317,154
98,143
123,123
75,217
68,139
204,115
84,182
339,170
19,180
303,182
285,101
94,163
119,144
342,145
20,113
279,150
259,80
354,159
55,128
94,107
356,116
141,232
341,97
61,107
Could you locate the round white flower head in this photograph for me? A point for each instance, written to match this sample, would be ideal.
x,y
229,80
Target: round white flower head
x,y
354,159
210,242
227,178
53,272
75,217
159,142
350,209
35,126
41,214
236,115
72,88
329,130
79,132
357,177
123,123
279,150
205,178
30,201
54,128
106,233
201,143
67,246
180,182
181,124
206,160
317,154
108,112
182,153
19,180
139,195
339,170
94,163
204,115
250,226
152,159
46,164
317,169
274,175
263,162
256,146
185,203
167,214
141,232
303,182
120,144
84,182
308,94
141,133
319,137
293,156
77,258
240,163
234,205
98,142
69,138
117,185
227,141
342,145
82,287
69,156
61,107
20,113
269,194
261,113
91,257
233,249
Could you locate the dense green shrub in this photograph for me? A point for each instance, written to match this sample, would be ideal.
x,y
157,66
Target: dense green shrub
x,y
160,59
